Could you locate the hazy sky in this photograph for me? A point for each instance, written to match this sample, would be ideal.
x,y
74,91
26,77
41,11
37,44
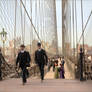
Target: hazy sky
x,y
87,7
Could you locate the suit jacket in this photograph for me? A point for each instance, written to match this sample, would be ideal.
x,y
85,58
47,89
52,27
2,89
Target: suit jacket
x,y
23,58
41,57
1,59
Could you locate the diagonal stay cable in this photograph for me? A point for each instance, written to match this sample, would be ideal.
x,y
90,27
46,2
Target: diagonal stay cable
x,y
85,26
30,20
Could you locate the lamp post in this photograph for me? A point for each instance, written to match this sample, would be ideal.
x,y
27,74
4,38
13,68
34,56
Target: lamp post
x,y
3,35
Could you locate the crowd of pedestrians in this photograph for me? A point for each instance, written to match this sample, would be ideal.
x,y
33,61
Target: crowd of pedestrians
x,y
58,67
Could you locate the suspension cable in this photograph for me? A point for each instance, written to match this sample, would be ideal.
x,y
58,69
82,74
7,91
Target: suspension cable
x,y
30,20
5,20
21,23
76,28
85,26
82,22
31,32
24,23
73,26
15,30
70,25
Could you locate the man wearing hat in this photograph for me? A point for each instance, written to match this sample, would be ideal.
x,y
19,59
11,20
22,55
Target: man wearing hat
x,y
41,59
23,59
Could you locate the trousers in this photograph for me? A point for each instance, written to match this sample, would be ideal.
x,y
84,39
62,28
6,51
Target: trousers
x,y
25,74
41,68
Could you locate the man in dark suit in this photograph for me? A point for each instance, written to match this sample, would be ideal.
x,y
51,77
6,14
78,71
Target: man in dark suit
x,y
41,59
81,64
23,59
1,60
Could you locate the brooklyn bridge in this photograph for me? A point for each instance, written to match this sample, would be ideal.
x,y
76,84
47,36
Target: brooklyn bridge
x,y
63,27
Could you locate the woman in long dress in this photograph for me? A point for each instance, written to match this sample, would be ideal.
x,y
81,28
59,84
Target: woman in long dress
x,y
56,71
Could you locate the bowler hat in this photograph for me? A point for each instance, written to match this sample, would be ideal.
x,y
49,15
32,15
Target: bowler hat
x,y
22,45
38,44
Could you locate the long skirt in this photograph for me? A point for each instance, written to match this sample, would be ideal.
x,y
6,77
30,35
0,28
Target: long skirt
x,y
56,73
62,74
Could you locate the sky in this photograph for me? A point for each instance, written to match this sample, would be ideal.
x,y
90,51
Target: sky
x,y
87,7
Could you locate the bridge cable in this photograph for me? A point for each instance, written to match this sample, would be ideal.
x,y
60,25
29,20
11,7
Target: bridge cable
x,y
22,23
76,29
4,18
73,27
30,20
15,31
82,22
31,32
85,26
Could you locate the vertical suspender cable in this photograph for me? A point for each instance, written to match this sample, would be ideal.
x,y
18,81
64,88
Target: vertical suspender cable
x,y
73,27
70,27
31,22
24,25
82,22
31,31
15,30
35,16
56,27
82,32
21,23
43,24
40,19
76,29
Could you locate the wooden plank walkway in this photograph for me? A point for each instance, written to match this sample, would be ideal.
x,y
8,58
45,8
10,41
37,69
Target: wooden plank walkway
x,y
49,85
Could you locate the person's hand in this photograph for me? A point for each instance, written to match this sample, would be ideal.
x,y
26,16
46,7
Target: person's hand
x,y
46,64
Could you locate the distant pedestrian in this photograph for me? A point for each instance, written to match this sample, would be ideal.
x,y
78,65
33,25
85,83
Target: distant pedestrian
x,y
62,64
63,61
61,70
81,64
53,64
49,64
23,59
41,59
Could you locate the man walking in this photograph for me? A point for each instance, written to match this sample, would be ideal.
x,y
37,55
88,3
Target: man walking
x,y
81,64
23,59
41,59
1,61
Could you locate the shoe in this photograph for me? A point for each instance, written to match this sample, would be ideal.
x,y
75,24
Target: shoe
x,y
41,81
24,83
